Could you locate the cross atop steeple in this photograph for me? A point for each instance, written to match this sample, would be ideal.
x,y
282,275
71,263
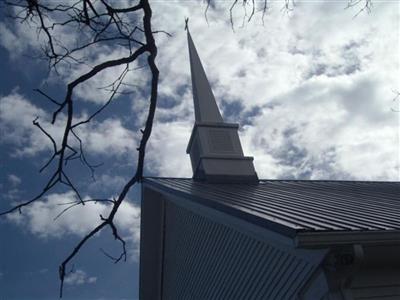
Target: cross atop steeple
x,y
214,146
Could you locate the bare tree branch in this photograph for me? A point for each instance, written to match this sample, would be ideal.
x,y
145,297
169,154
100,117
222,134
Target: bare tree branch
x,y
366,6
105,24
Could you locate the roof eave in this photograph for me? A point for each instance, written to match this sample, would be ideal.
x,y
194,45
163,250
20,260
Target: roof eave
x,y
235,212
330,238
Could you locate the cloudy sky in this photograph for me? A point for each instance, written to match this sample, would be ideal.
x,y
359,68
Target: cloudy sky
x,y
312,88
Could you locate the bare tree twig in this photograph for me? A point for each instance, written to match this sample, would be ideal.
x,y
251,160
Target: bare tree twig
x,y
206,10
396,98
47,96
74,204
366,7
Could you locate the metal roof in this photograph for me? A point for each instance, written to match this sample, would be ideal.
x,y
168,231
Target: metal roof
x,y
291,206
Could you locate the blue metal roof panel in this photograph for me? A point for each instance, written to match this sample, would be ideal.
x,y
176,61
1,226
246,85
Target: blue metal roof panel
x,y
300,205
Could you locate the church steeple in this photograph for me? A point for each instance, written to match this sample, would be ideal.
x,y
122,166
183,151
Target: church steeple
x,y
214,146
206,109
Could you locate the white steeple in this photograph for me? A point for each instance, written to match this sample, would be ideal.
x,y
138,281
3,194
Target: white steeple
x,y
206,109
214,146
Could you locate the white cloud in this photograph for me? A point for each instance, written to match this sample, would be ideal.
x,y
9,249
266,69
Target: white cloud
x,y
38,218
79,277
107,183
109,137
128,220
14,180
11,190
98,89
15,43
166,152
323,95
337,131
16,116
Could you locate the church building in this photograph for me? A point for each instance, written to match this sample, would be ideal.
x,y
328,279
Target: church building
x,y
226,234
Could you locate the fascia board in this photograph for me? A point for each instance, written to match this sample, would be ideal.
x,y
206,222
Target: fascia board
x,y
331,238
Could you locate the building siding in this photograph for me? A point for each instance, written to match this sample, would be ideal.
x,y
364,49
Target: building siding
x,y
204,259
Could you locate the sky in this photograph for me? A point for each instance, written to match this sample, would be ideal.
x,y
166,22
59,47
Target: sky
x,y
313,90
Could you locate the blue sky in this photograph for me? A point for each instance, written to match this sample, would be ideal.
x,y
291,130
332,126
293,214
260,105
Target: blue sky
x,y
312,90
29,263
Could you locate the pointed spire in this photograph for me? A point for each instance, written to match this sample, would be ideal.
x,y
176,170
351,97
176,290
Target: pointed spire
x,y
205,106
214,146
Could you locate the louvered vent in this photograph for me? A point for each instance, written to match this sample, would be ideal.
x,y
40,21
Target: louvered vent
x,y
220,141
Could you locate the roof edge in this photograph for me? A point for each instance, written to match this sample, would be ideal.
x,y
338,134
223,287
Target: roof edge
x,y
330,238
283,180
240,214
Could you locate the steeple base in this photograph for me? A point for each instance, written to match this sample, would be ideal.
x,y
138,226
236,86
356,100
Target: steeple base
x,y
219,169
217,156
